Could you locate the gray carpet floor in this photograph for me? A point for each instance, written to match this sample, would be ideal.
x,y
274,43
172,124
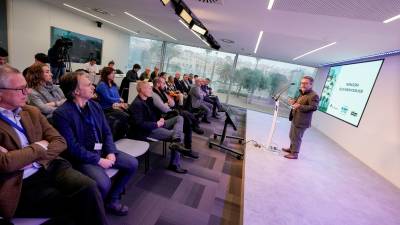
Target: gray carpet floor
x,y
210,194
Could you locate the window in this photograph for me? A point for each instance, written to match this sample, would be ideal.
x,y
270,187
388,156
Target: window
x,y
145,52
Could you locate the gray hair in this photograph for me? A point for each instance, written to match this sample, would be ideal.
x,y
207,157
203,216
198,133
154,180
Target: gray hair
x,y
6,72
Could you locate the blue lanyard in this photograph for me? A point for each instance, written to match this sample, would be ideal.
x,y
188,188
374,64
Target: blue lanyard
x,y
13,124
90,121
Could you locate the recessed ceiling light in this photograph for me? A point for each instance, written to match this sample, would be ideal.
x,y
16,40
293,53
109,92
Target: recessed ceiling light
x,y
228,41
258,41
312,51
198,29
99,18
392,19
155,28
270,3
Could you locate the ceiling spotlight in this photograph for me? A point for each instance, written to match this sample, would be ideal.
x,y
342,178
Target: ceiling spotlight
x,y
185,15
165,2
198,28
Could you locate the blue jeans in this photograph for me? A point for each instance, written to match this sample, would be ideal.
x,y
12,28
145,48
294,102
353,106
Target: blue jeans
x,y
127,166
57,73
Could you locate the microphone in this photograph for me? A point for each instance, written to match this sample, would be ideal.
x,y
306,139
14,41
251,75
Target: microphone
x,y
279,93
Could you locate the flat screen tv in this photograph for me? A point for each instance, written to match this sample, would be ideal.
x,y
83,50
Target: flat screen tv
x,y
347,90
83,47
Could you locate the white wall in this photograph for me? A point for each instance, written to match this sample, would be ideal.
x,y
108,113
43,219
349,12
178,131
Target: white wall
x,y
376,141
29,32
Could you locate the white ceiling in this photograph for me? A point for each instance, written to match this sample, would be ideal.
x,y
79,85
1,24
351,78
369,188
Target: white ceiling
x,y
291,28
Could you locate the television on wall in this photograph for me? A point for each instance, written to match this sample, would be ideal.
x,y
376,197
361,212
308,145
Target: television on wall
x,y
347,90
83,47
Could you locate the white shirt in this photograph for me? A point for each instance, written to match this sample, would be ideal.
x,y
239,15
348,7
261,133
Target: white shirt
x,y
93,69
15,117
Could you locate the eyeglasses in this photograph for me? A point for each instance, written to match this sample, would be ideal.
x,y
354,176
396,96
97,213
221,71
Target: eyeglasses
x,y
24,90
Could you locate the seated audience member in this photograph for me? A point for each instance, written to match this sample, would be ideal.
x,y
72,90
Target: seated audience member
x,y
185,84
174,92
91,149
197,100
165,104
39,58
190,79
92,68
107,91
145,75
3,56
132,75
154,74
177,82
34,181
145,123
210,98
46,96
163,75
112,65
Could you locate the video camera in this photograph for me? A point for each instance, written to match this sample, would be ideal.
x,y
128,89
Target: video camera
x,y
65,42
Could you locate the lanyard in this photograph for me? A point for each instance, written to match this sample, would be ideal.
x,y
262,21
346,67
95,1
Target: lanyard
x,y
89,119
13,124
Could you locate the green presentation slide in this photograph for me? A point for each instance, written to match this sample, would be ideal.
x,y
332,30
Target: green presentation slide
x,y
347,89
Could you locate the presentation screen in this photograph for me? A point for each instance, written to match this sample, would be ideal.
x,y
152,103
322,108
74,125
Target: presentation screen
x,y
83,47
347,90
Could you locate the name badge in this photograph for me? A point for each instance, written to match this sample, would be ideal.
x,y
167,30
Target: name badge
x,y
98,146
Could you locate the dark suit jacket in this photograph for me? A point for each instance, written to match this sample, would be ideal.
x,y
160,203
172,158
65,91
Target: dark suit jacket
x,y
185,87
143,118
70,123
303,115
178,85
37,128
132,76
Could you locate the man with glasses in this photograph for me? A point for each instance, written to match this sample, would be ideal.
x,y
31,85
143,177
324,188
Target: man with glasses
x,y
34,181
301,115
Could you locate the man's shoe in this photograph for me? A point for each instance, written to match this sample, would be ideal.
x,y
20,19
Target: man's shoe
x,y
117,208
175,140
205,121
178,147
291,156
286,150
190,154
177,169
198,130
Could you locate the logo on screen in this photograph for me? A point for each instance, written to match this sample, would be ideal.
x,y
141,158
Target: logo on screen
x,y
344,109
353,113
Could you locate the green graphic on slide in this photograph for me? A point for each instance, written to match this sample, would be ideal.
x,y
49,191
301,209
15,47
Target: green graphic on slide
x,y
328,88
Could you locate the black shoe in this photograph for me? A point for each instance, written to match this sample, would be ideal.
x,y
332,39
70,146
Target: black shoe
x,y
190,154
175,140
117,208
205,121
178,147
198,130
177,169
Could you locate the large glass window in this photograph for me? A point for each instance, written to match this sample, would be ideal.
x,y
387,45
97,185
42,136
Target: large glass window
x,y
145,52
256,80
203,62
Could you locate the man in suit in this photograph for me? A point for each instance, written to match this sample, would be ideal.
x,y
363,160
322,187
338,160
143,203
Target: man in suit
x,y
197,99
145,123
177,82
301,115
185,85
34,182
91,148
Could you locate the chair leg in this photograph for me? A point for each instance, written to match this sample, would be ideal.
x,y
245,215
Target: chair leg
x,y
164,154
146,161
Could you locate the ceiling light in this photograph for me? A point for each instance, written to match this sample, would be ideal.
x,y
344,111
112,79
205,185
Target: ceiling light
x,y
198,29
258,41
99,18
185,16
155,28
184,24
165,2
325,46
391,19
270,3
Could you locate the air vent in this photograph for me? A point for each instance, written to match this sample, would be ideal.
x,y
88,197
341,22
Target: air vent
x,y
219,2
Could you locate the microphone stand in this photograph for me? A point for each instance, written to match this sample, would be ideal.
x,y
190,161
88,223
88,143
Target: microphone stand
x,y
276,109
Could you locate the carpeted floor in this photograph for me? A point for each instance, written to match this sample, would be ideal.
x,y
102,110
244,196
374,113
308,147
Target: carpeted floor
x,y
210,194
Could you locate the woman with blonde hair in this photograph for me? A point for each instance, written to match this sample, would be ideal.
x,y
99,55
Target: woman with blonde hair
x,y
45,95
